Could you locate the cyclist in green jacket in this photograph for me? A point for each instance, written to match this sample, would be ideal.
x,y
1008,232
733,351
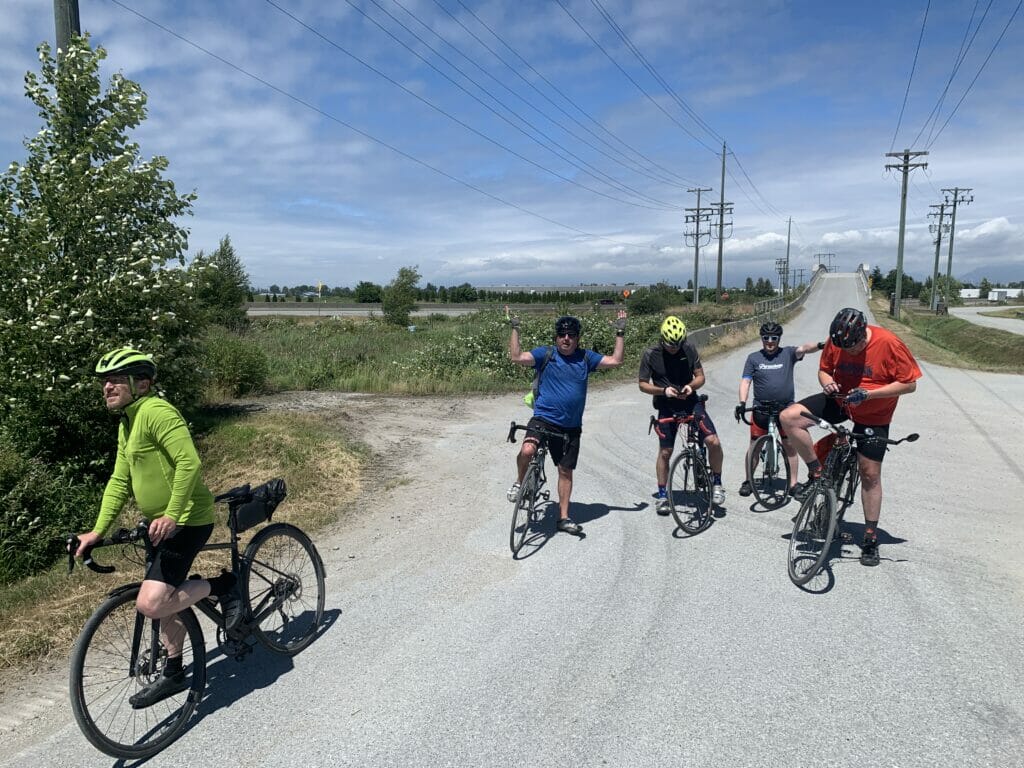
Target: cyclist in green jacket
x,y
157,463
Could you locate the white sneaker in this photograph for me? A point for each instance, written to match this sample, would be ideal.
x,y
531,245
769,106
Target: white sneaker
x,y
717,495
513,492
664,506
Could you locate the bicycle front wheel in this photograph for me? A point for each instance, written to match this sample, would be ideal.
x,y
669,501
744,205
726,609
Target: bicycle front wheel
x,y
117,654
523,511
770,480
849,483
812,535
689,493
283,588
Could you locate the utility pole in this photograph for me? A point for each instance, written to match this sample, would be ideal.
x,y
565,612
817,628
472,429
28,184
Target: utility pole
x,y
829,256
698,217
937,229
789,231
905,167
65,16
799,275
721,227
958,196
781,267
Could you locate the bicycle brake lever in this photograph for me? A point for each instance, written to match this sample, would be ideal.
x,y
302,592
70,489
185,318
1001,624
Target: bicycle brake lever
x,y
511,434
71,546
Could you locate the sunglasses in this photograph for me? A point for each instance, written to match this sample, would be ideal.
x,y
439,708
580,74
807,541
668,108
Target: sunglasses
x,y
115,380
770,338
566,335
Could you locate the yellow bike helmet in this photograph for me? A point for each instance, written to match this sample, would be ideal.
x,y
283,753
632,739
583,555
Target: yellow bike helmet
x,y
673,330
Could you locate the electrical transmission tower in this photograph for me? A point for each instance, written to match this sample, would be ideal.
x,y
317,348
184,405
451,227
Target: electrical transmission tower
x,y
698,234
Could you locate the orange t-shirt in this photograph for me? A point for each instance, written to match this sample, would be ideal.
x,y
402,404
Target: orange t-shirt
x,y
885,359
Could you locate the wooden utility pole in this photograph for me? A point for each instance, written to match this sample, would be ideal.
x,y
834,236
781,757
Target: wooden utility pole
x,y
937,229
65,16
785,280
905,167
698,217
721,225
954,197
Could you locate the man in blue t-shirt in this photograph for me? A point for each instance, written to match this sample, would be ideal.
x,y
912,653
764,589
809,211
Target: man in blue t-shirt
x,y
561,396
770,370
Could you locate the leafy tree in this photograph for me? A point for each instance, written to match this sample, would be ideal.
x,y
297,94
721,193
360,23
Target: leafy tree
x,y
275,288
984,287
367,293
221,286
89,257
399,297
748,286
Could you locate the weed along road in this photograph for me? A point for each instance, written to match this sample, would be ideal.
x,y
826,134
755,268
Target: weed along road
x,y
634,646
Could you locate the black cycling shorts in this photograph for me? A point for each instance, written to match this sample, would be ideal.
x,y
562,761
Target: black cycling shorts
x,y
828,408
566,452
170,562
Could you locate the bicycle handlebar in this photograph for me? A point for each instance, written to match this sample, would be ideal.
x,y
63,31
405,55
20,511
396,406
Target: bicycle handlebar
x,y
770,408
539,430
120,536
839,429
676,417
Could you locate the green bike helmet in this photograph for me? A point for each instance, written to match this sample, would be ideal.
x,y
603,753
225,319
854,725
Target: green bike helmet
x,y
128,362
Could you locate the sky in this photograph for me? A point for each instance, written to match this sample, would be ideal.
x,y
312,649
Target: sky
x,y
554,142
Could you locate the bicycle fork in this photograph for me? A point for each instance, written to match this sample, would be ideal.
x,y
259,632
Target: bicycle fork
x,y
151,666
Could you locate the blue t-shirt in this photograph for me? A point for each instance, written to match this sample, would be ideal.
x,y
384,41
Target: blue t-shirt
x,y
563,386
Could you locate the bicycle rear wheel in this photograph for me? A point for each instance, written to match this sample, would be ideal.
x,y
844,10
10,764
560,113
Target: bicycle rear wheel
x,y
812,535
283,587
524,510
116,656
770,480
689,493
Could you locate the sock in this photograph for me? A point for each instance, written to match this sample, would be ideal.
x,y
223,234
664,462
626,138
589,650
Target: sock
x,y
662,493
869,530
716,478
814,468
221,585
172,666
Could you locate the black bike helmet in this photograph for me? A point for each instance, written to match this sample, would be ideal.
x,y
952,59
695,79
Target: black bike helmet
x,y
567,324
849,328
771,328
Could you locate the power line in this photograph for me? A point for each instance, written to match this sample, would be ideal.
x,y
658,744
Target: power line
x,y
370,136
553,87
961,56
459,121
913,66
629,77
980,70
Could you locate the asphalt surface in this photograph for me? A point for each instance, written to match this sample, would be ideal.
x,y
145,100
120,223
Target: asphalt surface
x,y
975,315
633,646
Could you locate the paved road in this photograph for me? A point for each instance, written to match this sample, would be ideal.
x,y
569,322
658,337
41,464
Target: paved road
x,y
974,315
633,647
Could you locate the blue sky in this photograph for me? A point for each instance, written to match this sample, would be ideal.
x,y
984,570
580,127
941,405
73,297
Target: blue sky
x,y
571,165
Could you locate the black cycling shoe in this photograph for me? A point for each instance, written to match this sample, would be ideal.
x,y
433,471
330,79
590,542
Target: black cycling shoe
x,y
745,489
163,688
231,606
567,525
869,552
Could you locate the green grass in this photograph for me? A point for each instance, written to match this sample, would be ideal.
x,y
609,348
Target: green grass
x,y
950,341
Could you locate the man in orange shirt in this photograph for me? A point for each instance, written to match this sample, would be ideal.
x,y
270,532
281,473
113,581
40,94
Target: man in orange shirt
x,y
863,371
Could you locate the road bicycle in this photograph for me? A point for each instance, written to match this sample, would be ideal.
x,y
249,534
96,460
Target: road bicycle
x,y
815,525
768,471
119,651
689,476
527,512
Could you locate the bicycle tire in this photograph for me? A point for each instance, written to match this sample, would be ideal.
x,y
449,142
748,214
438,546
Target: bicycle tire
x,y
770,481
103,677
813,531
283,587
523,510
689,493
849,484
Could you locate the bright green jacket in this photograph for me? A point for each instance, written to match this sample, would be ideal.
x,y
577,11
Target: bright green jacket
x,y
156,463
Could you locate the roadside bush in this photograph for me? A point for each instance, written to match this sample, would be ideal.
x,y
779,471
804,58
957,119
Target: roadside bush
x,y
234,364
38,504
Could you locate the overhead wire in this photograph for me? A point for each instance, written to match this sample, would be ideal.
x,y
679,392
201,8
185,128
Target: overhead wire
x,y
913,67
960,56
371,137
568,99
459,121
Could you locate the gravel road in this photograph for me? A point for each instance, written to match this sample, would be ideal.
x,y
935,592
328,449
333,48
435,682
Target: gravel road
x,y
632,646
